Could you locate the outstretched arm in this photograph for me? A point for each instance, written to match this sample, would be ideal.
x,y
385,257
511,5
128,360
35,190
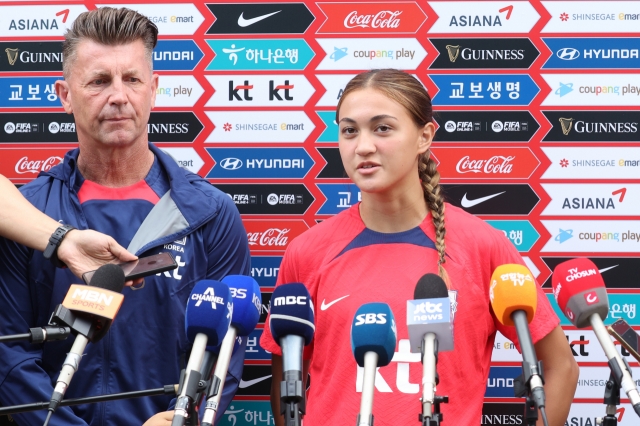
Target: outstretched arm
x,y
560,375
81,251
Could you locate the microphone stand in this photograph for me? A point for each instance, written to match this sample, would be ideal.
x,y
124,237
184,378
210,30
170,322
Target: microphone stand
x,y
35,406
431,345
521,389
39,334
612,392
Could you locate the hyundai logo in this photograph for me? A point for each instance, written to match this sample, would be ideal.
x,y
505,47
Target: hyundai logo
x,y
568,54
231,163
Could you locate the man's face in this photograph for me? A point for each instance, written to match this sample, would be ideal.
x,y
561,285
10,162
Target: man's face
x,y
110,91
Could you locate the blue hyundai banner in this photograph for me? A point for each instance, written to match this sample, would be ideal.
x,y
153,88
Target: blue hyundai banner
x,y
176,55
593,53
256,163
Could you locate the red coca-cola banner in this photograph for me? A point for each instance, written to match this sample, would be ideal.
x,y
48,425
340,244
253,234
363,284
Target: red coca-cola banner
x,y
272,235
372,18
486,163
24,164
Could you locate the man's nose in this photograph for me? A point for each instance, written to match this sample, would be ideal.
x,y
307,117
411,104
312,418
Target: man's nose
x,y
118,93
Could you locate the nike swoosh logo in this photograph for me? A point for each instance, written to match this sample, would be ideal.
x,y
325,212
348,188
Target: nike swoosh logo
x,y
246,22
324,307
470,203
606,269
248,383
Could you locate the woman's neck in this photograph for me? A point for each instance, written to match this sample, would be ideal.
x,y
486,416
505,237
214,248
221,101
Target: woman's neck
x,y
393,213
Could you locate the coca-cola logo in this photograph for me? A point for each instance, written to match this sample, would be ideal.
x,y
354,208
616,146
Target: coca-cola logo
x,y
24,165
495,164
272,237
382,19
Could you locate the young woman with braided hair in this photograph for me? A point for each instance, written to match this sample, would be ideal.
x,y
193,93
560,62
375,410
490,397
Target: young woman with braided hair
x,y
378,249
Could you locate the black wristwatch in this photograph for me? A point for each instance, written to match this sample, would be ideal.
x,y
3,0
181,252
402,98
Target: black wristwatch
x,y
51,252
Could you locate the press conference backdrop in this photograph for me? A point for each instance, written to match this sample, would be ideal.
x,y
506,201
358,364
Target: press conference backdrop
x,y
537,106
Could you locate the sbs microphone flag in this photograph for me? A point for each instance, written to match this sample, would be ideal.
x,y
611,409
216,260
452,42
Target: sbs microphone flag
x,y
247,304
373,343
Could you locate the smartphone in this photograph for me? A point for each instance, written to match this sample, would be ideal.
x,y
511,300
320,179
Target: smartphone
x,y
626,335
143,267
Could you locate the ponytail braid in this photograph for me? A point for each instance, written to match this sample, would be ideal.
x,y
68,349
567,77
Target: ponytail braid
x,y
430,178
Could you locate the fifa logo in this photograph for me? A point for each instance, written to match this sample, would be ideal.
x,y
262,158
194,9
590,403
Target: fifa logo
x,y
566,124
453,51
12,55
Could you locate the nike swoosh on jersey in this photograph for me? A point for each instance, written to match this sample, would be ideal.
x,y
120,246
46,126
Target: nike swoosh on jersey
x,y
324,307
470,203
246,22
248,383
606,269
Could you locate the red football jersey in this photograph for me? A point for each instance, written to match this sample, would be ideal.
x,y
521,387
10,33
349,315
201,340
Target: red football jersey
x,y
345,265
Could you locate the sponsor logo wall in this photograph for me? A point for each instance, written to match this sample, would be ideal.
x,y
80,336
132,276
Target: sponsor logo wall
x,y
537,105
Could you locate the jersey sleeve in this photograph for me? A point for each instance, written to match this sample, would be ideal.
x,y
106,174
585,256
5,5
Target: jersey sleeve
x,y
545,319
22,378
289,273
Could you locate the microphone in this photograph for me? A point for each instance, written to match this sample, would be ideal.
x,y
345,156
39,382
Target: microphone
x,y
89,311
247,302
514,300
581,294
373,343
291,321
430,331
207,318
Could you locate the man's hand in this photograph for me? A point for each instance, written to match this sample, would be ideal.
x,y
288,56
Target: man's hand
x,y
160,419
84,251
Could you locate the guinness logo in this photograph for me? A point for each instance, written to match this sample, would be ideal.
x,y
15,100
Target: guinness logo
x,y
12,54
566,124
453,51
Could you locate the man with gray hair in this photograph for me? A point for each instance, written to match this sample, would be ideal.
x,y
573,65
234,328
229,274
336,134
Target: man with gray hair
x,y
117,183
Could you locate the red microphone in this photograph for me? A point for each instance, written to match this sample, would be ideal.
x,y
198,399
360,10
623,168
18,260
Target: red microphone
x,y
581,294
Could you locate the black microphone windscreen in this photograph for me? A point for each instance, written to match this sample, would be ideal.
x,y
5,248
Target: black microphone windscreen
x,y
109,277
430,286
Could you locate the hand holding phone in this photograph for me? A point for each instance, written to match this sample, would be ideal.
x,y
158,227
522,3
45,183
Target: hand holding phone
x,y
627,337
142,267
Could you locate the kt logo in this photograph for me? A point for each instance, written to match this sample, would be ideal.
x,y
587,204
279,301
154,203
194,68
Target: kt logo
x,y
581,346
233,91
273,92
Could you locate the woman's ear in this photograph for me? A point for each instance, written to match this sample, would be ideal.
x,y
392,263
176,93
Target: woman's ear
x,y
426,137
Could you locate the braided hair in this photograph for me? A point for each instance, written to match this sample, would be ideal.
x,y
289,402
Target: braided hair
x,y
410,93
